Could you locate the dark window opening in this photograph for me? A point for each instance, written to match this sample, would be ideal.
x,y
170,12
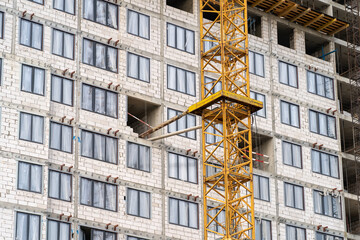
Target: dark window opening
x,y
141,112
208,11
254,24
347,136
262,150
285,35
317,47
352,216
185,5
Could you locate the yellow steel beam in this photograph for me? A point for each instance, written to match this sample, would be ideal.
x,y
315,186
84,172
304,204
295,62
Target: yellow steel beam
x,y
289,9
339,29
300,15
326,24
274,6
257,3
314,20
226,114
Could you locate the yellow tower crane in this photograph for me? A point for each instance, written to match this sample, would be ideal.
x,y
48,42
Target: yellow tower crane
x,y
225,109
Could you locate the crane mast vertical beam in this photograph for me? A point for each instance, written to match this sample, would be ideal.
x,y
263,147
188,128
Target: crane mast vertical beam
x,y
226,120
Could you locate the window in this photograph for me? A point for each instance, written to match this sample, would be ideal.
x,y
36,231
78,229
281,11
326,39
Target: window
x,y
58,230
295,233
98,194
2,25
292,154
327,205
320,85
1,69
322,124
290,114
138,203
185,122
99,147
60,185
138,157
325,163
99,100
288,74
213,169
31,127
63,44
87,233
138,67
256,63
183,213
294,196
260,97
138,24
62,90
29,177
182,168
210,136
37,1
33,80
134,238
100,55
67,6
323,236
209,82
261,188
31,34
101,12
180,38
208,44
181,80
262,229
220,218
27,226
61,137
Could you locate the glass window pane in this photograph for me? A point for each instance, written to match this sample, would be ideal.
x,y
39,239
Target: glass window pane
x,y
53,229
144,24
112,59
251,62
101,12
299,198
323,124
88,51
132,202
264,189
100,55
37,129
287,153
283,72
171,34
190,85
171,77
99,194
320,84
133,155
70,6
87,144
64,231
39,79
331,127
144,69
289,195
111,150
27,76
311,82
294,110
68,45
133,22
174,211
89,9
112,15
56,83
99,147
189,44
66,189
259,61
54,184
315,158
55,136
296,150
133,65
86,191
25,32
67,91
144,210
57,47
192,166
193,215
24,176
36,176
87,97
182,168
99,101
34,227
181,80
329,88
325,163
285,115
183,213
66,139
334,170
313,121
111,104
173,126
173,169
37,36
144,163
111,197
180,38
292,76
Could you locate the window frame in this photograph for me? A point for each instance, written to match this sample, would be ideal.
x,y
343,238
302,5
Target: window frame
x,y
58,232
138,27
303,196
254,63
321,194
268,186
106,15
93,147
188,202
29,180
28,220
92,195
316,85
320,164
138,68
286,231
32,79
99,230
128,154
37,2
2,21
31,33
264,103
292,154
63,43
325,235
289,111
62,90
176,79
138,205
63,10
60,183
94,55
1,70
185,29
177,128
31,128
61,137
318,124
136,238
187,167
93,100
287,71
261,228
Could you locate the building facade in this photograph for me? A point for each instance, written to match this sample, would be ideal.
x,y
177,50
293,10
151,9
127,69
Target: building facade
x,y
80,79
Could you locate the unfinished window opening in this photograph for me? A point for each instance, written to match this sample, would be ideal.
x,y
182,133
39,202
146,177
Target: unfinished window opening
x,y
341,15
346,131
352,216
185,5
142,115
344,91
208,11
285,35
315,5
87,233
262,149
317,47
254,24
